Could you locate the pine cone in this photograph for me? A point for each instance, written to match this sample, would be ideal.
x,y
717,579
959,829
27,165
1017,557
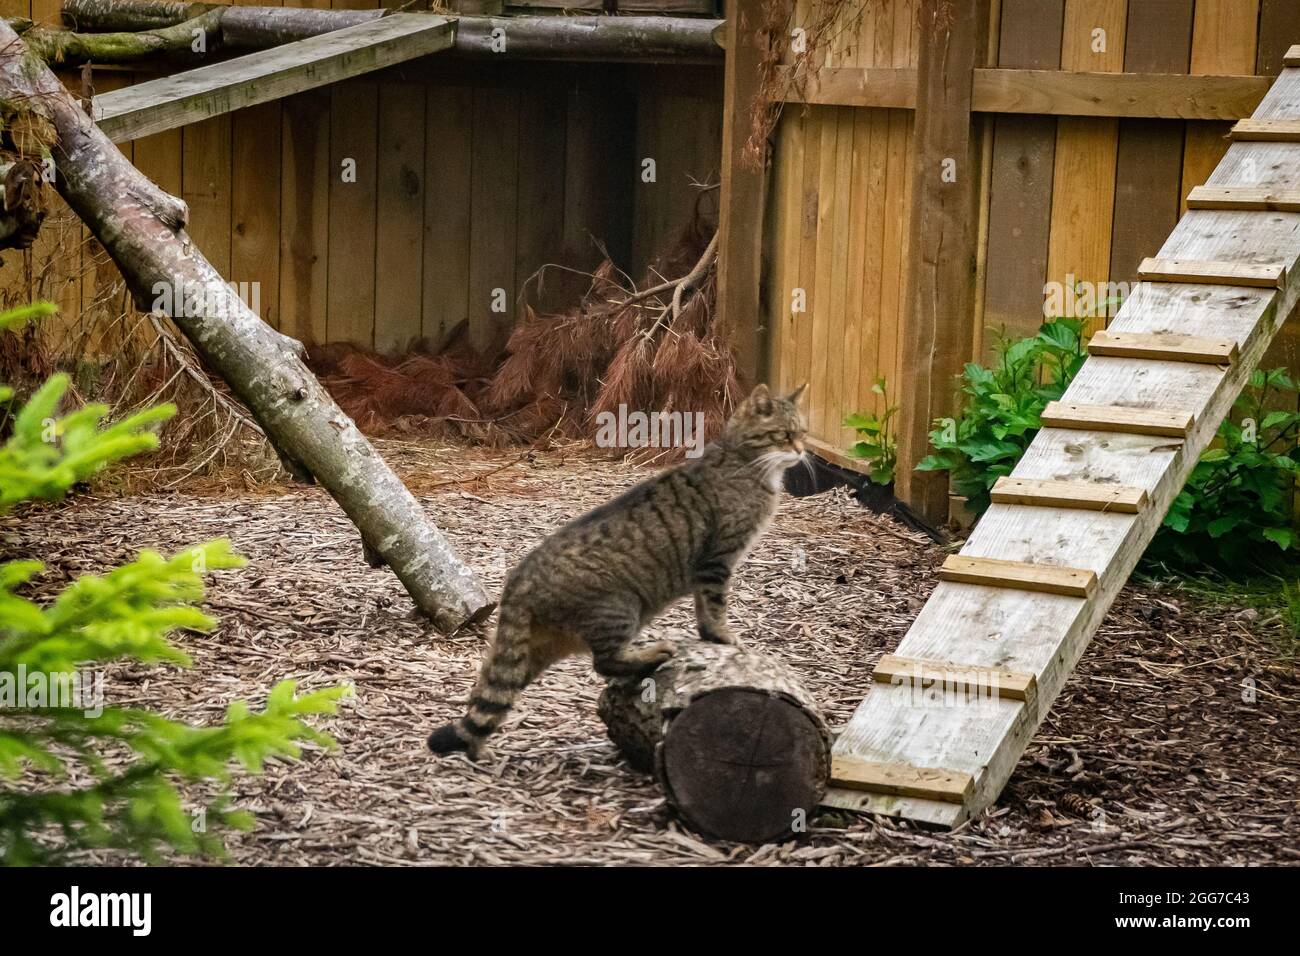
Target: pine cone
x,y
1076,805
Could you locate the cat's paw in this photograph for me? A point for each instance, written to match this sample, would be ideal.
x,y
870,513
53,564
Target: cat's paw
x,y
720,635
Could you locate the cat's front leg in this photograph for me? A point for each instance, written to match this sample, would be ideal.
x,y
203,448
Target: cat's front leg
x,y
712,583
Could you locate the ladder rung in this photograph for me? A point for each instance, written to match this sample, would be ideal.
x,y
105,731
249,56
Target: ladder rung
x,y
1085,495
1163,346
1246,198
1021,575
958,678
1266,131
1262,275
1116,418
901,780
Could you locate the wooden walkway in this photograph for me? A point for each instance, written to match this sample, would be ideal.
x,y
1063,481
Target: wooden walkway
x,y
1013,613
162,104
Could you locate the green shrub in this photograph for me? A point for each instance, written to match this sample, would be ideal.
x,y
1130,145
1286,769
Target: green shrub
x,y
1002,409
72,772
876,445
1236,505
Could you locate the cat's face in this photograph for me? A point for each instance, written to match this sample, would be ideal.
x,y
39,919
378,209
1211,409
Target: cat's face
x,y
770,427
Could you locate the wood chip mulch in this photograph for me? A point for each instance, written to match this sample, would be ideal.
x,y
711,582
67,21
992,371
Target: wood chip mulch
x,y
1149,756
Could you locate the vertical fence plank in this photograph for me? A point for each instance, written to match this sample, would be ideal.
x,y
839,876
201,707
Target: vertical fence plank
x,y
306,172
255,199
354,114
447,158
1020,192
399,237
1083,177
941,245
494,216
1148,169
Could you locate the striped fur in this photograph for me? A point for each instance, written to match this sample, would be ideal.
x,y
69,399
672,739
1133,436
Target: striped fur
x,y
592,586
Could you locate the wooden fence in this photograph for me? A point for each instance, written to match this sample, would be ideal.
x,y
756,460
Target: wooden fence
x,y
469,175
1074,129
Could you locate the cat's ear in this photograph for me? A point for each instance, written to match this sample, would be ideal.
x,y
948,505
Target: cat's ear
x,y
793,397
760,399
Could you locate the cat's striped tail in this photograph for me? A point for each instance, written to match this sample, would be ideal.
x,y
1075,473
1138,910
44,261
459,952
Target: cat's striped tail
x,y
504,675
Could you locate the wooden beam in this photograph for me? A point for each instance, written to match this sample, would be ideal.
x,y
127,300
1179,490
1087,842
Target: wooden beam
x,y
1292,56
1020,575
1053,493
938,318
1117,418
194,95
1271,275
1163,347
1244,197
1045,92
962,680
740,215
1266,131
926,783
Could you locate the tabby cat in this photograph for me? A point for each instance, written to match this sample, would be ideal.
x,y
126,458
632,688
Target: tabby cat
x,y
594,584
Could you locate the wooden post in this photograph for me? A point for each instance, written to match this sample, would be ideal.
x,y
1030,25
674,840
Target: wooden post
x,y
938,318
740,249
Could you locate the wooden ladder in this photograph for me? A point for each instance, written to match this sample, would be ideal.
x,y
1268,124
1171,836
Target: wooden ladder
x,y
954,707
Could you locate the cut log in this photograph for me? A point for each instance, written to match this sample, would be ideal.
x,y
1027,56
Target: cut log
x,y
734,739
536,37
143,229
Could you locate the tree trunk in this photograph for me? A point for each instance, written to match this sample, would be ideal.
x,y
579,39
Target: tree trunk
x,y
540,37
734,739
143,229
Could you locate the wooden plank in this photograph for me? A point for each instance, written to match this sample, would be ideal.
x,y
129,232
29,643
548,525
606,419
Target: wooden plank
x,y
853,392
354,196
1149,161
1021,575
447,156
255,210
1256,274
820,309
399,234
939,314
740,216
1292,56
1083,186
1244,197
1088,495
1223,42
1044,92
205,187
1279,25
269,74
1166,347
494,197
1020,192
541,189
959,679
305,177
929,783
1174,423
1265,131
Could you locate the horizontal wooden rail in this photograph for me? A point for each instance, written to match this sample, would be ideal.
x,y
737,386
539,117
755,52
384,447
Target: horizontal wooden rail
x,y
1046,92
